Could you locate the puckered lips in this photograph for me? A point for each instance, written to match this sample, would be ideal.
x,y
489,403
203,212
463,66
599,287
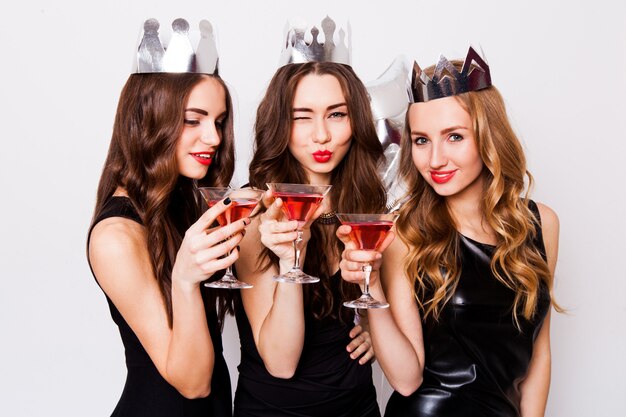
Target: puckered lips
x,y
322,156
205,158
442,177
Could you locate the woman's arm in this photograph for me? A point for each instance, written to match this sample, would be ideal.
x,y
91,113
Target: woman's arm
x,y
396,332
535,387
275,310
183,354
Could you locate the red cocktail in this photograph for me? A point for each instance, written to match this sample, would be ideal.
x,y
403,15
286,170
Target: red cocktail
x,y
369,235
299,207
239,208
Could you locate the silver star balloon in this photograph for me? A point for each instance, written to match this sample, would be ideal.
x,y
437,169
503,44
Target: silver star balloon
x,y
389,101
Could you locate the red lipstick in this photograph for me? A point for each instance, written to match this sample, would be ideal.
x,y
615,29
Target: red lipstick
x,y
205,158
322,156
442,177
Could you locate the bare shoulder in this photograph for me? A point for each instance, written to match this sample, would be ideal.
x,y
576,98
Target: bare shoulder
x,y
116,236
549,217
118,246
550,231
549,224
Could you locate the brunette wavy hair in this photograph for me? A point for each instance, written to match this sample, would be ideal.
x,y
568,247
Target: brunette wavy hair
x,y
356,186
142,160
426,225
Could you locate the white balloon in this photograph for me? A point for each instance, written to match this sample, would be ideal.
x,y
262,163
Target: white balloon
x,y
389,101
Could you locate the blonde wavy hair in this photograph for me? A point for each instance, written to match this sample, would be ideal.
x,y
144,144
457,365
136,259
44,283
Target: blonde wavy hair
x,y
426,225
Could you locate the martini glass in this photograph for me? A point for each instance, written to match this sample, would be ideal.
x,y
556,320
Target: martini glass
x,y
244,201
299,203
368,232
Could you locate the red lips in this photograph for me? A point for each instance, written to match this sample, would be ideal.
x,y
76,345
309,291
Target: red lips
x,y
441,177
205,158
322,156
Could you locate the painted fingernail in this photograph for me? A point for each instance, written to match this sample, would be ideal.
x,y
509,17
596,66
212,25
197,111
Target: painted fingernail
x,y
246,222
227,201
238,248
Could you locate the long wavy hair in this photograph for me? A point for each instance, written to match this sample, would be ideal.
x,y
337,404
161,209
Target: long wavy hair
x,y
427,226
356,187
142,160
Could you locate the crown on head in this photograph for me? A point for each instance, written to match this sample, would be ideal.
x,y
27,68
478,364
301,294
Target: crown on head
x,y
447,80
179,56
297,51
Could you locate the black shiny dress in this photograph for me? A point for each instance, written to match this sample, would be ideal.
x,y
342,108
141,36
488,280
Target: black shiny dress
x,y
327,382
475,356
146,393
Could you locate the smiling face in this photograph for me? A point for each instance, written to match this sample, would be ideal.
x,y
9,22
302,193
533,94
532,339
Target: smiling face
x,y
444,148
205,112
320,130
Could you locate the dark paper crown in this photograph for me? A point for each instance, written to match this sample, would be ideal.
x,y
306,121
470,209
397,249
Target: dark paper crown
x,y
447,80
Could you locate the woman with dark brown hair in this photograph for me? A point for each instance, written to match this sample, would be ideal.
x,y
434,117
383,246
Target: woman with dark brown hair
x,y
302,354
150,247
469,281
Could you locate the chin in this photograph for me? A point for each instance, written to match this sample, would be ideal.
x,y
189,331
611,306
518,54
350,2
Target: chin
x,y
442,191
197,175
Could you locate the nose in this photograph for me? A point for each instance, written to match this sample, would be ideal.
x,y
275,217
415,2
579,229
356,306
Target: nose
x,y
438,158
210,135
321,133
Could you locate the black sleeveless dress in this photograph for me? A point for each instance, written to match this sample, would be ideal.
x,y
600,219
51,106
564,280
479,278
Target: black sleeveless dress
x,y
327,382
475,356
146,393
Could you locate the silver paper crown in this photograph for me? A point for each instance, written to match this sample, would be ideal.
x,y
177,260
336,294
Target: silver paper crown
x,y
447,80
297,51
179,56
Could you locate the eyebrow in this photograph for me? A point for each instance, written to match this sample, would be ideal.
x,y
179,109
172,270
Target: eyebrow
x,y
205,113
453,128
443,132
305,109
199,111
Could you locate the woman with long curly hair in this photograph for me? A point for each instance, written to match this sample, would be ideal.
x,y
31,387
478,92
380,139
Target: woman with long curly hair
x,y
302,354
470,279
150,247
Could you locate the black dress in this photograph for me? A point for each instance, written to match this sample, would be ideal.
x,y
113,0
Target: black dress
x,y
146,393
327,382
475,356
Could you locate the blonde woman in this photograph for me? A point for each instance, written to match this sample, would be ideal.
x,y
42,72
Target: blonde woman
x,y
469,280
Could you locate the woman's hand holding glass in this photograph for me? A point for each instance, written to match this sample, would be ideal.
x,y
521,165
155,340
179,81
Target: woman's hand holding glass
x,y
354,259
205,249
244,204
300,202
278,233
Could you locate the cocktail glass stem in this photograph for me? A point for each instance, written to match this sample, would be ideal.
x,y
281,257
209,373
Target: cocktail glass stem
x,y
367,270
297,244
228,275
366,300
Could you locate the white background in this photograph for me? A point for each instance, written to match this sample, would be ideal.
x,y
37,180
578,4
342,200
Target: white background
x,y
561,66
